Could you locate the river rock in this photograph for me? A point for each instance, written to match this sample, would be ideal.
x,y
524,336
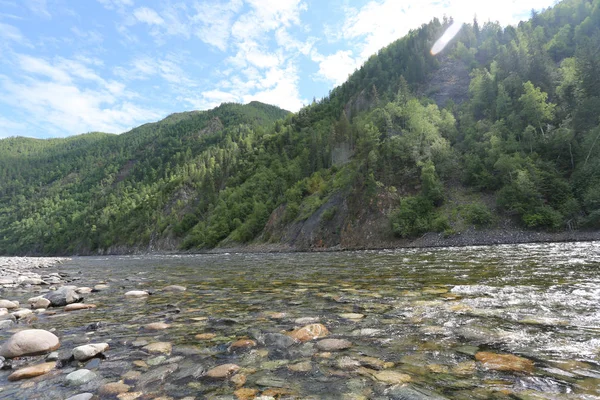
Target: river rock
x,y
205,336
272,381
156,376
79,377
29,342
84,290
30,280
9,304
114,388
278,341
245,393
38,302
159,348
352,316
157,326
222,371
242,344
22,313
504,362
79,306
304,366
402,392
63,296
3,312
309,332
174,288
81,396
392,377
7,323
136,294
31,372
239,380
333,344
374,363
306,320
100,287
88,351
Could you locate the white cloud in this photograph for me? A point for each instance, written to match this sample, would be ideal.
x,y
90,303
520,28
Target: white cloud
x,y
214,22
336,67
148,15
65,97
91,37
145,67
118,5
12,34
38,7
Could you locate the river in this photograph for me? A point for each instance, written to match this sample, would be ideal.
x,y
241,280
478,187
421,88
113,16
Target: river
x,y
432,319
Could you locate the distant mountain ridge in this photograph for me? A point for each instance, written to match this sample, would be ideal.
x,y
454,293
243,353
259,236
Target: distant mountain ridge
x,y
499,133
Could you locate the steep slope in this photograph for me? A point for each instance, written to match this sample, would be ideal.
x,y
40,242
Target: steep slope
x,y
499,132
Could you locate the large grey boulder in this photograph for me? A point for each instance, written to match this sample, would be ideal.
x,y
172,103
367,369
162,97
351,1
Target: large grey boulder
x,y
63,296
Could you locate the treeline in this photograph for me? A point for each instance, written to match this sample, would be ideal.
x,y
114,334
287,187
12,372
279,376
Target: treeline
x,y
524,144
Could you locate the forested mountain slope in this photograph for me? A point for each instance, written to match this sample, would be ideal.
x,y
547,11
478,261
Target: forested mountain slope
x,y
94,191
503,125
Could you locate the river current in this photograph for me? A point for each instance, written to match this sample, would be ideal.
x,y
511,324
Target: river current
x,y
431,316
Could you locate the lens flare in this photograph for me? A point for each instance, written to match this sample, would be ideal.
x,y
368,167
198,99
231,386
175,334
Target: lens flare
x,y
450,33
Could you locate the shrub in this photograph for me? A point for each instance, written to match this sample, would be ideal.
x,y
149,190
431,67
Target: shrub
x,y
329,214
478,214
413,217
543,217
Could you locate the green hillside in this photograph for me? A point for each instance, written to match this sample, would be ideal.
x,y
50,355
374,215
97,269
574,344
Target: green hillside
x,y
503,125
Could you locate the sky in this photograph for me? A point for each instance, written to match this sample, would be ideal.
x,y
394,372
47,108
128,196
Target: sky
x,y
75,66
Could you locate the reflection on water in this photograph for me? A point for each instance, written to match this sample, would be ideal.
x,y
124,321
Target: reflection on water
x,y
436,314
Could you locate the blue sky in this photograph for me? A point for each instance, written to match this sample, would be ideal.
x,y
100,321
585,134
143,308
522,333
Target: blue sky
x,y
75,66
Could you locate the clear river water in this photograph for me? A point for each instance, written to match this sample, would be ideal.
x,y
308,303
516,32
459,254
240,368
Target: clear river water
x,y
430,318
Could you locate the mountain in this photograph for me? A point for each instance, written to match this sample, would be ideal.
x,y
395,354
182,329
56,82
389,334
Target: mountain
x,y
499,131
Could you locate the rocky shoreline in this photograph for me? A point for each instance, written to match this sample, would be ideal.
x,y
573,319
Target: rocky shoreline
x,y
15,271
471,237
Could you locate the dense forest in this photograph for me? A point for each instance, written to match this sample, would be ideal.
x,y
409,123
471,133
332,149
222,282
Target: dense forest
x,y
503,125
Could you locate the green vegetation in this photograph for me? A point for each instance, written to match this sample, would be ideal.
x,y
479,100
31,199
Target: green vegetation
x,y
527,135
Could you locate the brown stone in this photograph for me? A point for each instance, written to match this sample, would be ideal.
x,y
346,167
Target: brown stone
x,y
157,326
245,393
159,348
222,371
205,336
79,306
309,332
114,388
242,344
392,377
131,375
239,380
31,372
465,368
276,392
304,366
504,362
140,364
